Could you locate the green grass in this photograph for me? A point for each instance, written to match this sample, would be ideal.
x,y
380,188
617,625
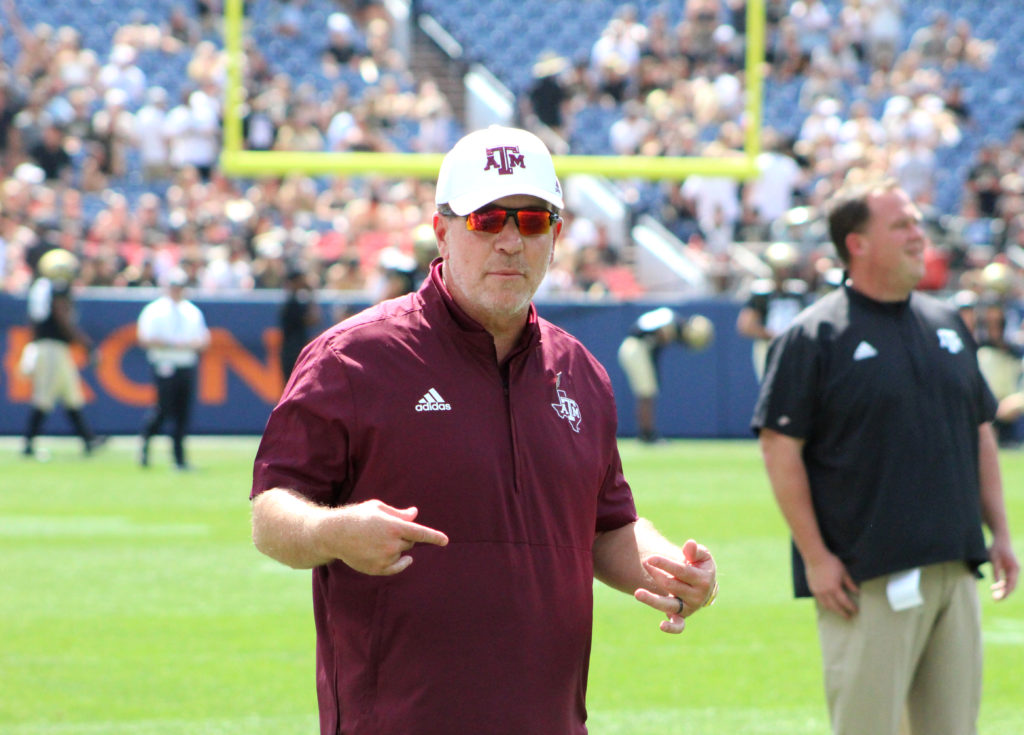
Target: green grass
x,y
133,603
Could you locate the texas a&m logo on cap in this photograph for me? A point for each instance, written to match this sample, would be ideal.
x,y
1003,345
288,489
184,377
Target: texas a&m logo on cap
x,y
505,158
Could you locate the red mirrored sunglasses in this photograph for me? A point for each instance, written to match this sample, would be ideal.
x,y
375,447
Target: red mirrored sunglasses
x,y
529,220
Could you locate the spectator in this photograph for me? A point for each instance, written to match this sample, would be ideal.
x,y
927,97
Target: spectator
x,y
227,268
930,41
852,21
656,43
628,132
861,130
547,97
437,124
964,48
113,132
9,109
984,180
883,31
150,136
772,193
786,55
209,11
207,68
342,39
27,126
179,32
75,66
259,127
702,18
300,132
192,129
813,20
716,204
122,73
49,154
36,44
914,165
615,49
955,100
288,23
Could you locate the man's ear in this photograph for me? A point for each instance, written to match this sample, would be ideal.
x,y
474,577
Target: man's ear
x,y
554,240
855,243
441,233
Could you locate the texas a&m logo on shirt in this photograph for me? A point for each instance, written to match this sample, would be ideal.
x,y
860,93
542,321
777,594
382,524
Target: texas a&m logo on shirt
x,y
504,158
567,408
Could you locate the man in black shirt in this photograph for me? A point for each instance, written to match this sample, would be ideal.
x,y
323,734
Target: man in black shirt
x,y
50,156
876,429
299,313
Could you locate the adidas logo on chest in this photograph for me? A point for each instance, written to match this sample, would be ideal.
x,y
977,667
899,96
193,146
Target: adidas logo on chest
x,y
864,351
432,401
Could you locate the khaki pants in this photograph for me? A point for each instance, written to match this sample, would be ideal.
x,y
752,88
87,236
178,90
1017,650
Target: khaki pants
x,y
638,365
1001,370
759,354
55,377
922,664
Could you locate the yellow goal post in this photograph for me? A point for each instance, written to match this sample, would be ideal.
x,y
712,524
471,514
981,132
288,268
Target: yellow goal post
x,y
236,161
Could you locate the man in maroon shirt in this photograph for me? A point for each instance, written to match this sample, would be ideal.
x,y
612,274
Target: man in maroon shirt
x,y
454,428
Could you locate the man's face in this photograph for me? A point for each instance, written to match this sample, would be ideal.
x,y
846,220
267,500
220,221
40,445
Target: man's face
x,y
493,277
890,251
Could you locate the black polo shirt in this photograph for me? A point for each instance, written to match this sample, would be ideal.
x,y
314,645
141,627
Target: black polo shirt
x,y
888,398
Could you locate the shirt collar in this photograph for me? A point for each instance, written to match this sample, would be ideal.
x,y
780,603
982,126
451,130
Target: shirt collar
x,y
889,307
434,291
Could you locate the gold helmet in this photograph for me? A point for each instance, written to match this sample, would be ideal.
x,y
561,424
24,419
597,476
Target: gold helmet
x,y
997,278
58,264
781,255
698,332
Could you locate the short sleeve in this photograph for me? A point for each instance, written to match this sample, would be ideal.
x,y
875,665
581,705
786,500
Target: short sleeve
x,y
788,393
615,506
305,443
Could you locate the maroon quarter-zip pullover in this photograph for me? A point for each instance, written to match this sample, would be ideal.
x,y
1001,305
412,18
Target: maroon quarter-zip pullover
x,y
517,463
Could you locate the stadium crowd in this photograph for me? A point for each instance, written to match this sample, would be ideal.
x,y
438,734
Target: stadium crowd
x,y
99,159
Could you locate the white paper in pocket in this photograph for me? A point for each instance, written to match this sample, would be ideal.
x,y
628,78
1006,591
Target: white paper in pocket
x,y
904,590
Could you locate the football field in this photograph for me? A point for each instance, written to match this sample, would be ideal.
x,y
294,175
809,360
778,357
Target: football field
x,y
133,603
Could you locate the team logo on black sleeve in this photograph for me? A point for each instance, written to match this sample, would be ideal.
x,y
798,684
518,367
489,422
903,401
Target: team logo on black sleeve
x,y
950,340
567,408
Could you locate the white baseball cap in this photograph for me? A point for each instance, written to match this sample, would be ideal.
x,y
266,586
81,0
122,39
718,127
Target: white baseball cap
x,y
176,278
496,162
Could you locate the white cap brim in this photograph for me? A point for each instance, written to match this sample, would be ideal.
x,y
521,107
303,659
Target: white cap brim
x,y
472,201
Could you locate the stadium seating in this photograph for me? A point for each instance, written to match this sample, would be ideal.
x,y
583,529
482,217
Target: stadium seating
x,y
506,37
509,56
